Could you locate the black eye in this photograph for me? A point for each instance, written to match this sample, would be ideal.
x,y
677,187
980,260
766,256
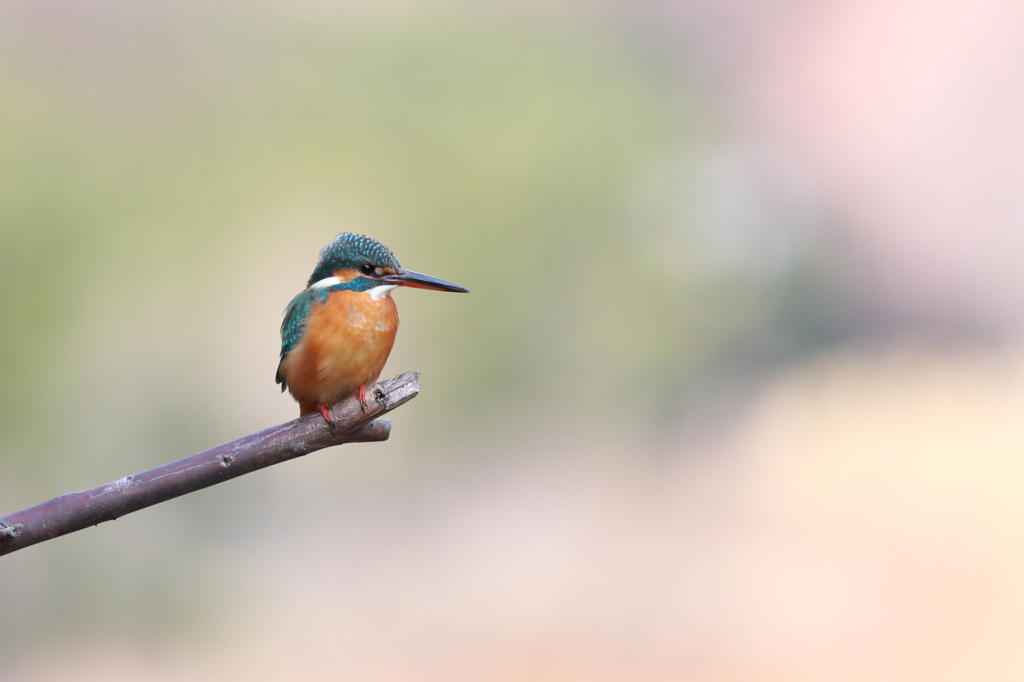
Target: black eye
x,y
366,268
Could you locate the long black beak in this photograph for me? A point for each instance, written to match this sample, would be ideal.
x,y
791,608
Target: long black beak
x,y
408,278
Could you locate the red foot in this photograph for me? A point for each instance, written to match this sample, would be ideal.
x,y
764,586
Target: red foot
x,y
325,410
361,394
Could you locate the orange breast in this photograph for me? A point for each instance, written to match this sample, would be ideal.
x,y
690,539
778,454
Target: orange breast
x,y
347,341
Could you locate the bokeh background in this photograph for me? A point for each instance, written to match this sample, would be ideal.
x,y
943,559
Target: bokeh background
x,y
738,393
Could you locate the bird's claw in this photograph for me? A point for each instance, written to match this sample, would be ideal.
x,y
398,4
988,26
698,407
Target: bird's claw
x,y
325,410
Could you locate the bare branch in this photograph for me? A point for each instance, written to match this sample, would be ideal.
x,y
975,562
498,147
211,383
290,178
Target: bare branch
x,y
353,423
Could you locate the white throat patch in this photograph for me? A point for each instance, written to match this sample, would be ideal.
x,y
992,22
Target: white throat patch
x,y
380,292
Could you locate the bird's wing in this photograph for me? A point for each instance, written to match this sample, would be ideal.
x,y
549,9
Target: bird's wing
x,y
294,325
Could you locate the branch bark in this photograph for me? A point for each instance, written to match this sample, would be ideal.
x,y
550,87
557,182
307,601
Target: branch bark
x,y
353,423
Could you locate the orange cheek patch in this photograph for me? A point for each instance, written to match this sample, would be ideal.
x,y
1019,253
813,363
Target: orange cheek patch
x,y
346,274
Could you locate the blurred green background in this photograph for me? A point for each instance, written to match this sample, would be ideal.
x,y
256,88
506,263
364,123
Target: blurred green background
x,y
652,251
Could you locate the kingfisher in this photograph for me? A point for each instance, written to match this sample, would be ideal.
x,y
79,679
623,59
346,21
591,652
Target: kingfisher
x,y
338,332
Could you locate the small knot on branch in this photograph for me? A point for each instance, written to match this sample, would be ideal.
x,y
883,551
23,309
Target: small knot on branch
x,y
9,532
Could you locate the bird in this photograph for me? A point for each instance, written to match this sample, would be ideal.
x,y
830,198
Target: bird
x,y
337,333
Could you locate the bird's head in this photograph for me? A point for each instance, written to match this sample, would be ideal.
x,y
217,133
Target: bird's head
x,y
364,264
